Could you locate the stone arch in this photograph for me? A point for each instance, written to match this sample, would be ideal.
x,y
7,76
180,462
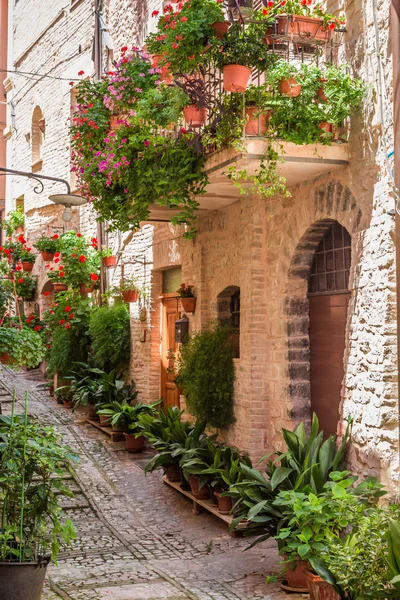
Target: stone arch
x,y
37,138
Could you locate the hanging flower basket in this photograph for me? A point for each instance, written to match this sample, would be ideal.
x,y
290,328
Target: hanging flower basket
x,y
130,295
109,261
221,28
27,266
302,26
256,125
60,287
188,304
236,78
194,116
86,289
290,87
47,256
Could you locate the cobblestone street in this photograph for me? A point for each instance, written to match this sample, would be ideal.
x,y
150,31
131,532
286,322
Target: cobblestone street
x,y
137,539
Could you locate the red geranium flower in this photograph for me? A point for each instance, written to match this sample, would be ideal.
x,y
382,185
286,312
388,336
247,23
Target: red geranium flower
x,y
81,73
57,254
61,274
94,277
56,260
184,19
78,235
21,239
18,268
22,280
67,326
67,308
82,258
46,293
71,316
55,236
61,322
155,13
37,328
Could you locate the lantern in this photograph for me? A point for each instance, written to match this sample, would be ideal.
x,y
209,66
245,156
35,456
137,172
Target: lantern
x,y
181,330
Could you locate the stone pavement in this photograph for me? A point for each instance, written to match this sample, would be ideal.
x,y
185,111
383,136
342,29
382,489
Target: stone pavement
x,y
137,539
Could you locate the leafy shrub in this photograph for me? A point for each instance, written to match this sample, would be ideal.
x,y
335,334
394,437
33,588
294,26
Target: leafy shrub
x,y
207,374
24,346
110,333
68,346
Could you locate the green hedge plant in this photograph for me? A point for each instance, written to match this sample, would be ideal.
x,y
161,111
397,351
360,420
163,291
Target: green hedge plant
x,y
109,330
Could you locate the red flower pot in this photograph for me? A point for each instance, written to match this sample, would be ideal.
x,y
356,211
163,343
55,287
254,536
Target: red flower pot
x,y
27,266
301,26
4,358
221,28
290,87
188,304
60,287
173,473
318,588
225,503
326,127
134,444
256,125
195,116
236,78
105,420
201,494
295,576
86,289
109,261
47,256
130,295
67,403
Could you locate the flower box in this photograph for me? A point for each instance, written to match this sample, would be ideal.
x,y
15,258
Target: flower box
x,y
188,304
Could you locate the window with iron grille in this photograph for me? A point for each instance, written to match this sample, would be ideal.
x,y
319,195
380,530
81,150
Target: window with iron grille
x,y
331,266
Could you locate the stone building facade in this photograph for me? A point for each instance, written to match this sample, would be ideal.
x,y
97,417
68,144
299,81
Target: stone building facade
x,y
264,250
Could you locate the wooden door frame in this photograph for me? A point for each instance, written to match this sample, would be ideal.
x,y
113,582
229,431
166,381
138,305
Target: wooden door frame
x,y
163,332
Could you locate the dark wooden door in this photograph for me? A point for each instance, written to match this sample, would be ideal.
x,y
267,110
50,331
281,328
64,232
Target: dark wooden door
x,y
328,315
169,391
329,298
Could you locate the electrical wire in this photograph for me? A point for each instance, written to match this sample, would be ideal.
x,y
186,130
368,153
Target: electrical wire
x,y
40,75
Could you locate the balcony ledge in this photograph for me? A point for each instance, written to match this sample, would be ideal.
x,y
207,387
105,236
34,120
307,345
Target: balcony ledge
x,y
299,163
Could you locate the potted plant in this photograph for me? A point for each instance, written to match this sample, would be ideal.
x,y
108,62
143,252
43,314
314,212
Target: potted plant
x,y
57,277
258,103
32,466
128,289
12,251
15,222
27,259
48,246
108,258
25,286
188,301
305,20
8,342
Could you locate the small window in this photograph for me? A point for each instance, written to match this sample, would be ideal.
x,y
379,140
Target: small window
x,y
172,279
228,305
331,266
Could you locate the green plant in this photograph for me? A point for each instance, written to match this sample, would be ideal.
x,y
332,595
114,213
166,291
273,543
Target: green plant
x,y
48,244
16,218
363,565
109,330
207,374
182,34
25,285
185,291
225,471
27,256
29,351
305,467
310,9
12,250
126,415
33,461
105,252
242,47
127,285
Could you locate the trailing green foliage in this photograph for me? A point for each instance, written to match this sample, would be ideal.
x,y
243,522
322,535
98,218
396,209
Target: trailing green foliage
x,y
109,330
207,374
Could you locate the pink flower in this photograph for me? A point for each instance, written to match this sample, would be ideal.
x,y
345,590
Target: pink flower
x,y
146,143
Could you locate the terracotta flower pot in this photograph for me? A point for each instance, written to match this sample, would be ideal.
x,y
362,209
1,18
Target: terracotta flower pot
x,y
67,403
295,577
221,28
290,87
60,287
47,256
27,266
105,420
236,78
318,588
201,494
86,289
4,358
304,27
195,116
130,295
109,261
326,127
134,444
114,124
213,497
188,304
173,473
225,503
256,125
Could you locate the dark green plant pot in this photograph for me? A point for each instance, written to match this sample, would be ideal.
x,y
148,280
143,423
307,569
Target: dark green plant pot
x,y
22,581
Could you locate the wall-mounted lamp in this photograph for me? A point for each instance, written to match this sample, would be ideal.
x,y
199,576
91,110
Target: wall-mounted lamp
x,y
181,330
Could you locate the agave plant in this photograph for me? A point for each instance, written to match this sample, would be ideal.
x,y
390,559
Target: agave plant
x,y
305,467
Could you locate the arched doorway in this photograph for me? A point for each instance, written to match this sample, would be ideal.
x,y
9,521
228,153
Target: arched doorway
x,y
328,296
